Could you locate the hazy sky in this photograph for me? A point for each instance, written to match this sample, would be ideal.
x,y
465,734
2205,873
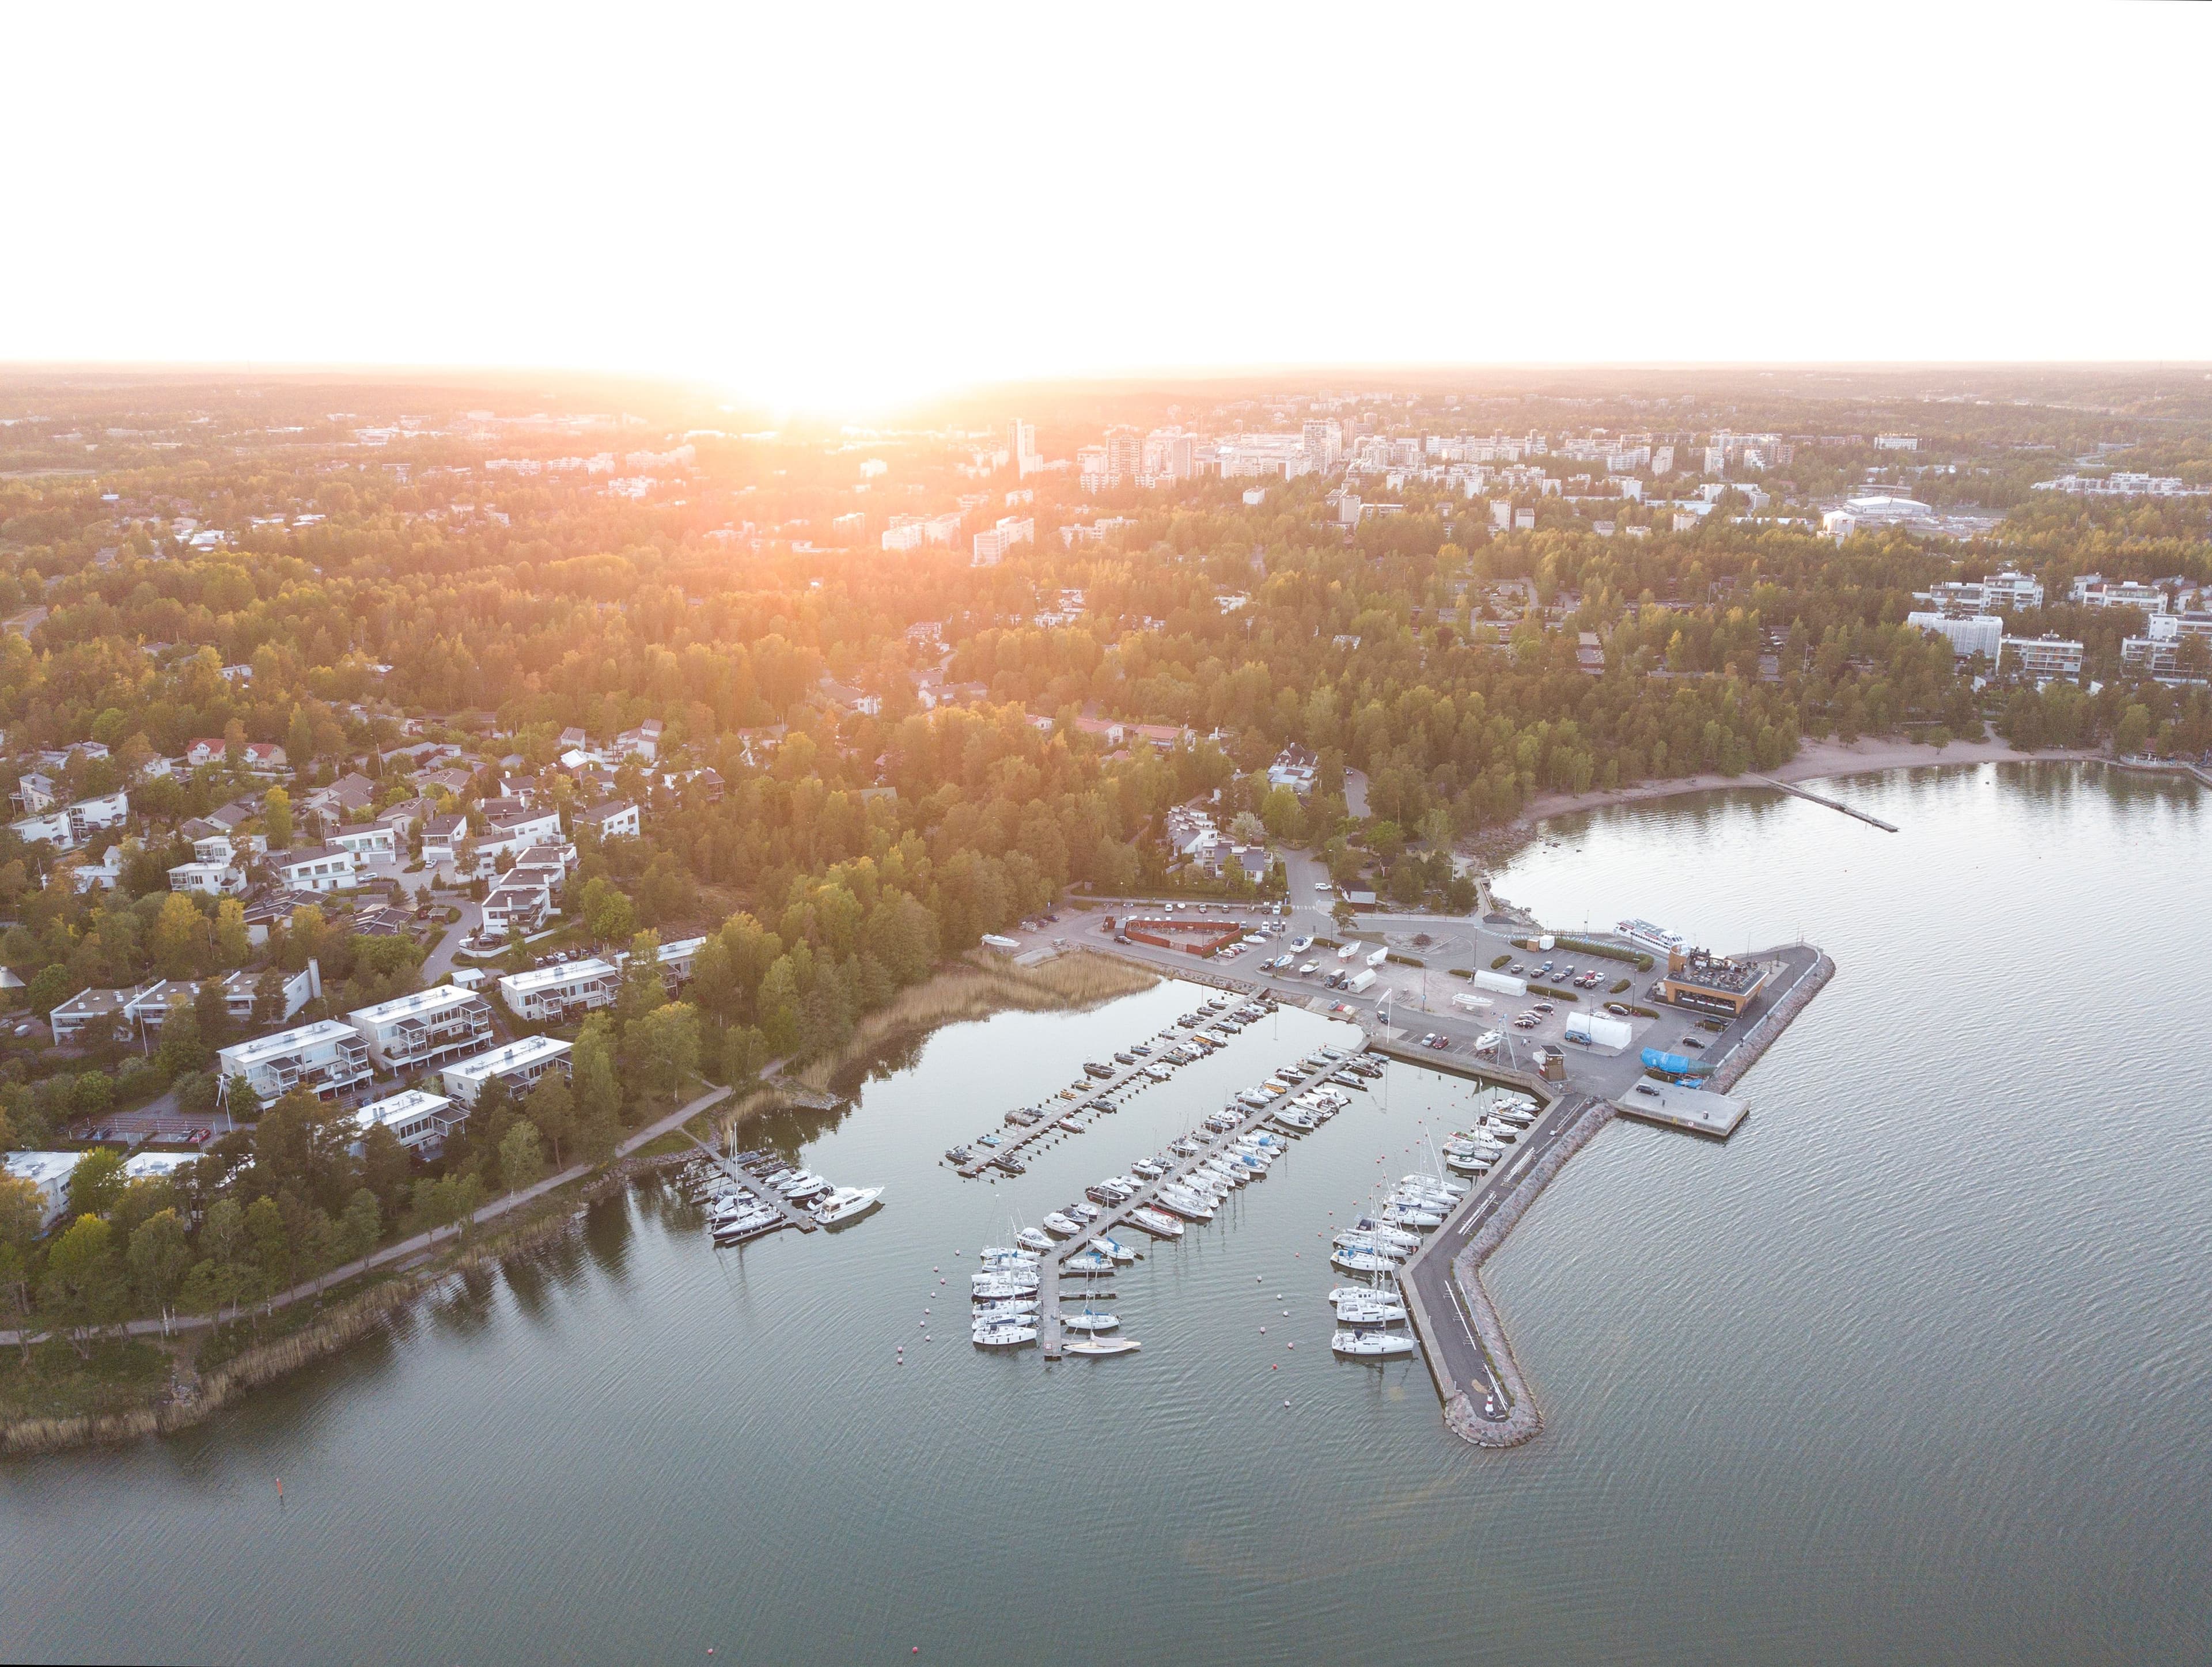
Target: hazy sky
x,y
829,206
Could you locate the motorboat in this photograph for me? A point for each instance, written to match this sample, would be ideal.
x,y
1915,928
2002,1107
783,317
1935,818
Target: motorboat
x,y
1253,1098
1058,1226
1034,1238
1003,1334
1157,1222
1087,1322
1488,1041
847,1204
1107,1192
1125,1059
1105,1345
1147,1170
1372,1345
1185,1147
1084,1212
958,1154
987,1140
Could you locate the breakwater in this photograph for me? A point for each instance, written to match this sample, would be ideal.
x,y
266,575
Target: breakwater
x,y
1523,1420
1760,1037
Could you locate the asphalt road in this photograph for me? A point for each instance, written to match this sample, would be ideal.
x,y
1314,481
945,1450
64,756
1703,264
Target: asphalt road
x,y
1460,1358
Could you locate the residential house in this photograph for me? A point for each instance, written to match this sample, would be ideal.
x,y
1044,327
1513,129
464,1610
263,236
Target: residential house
x,y
376,842
610,819
1294,768
642,742
441,837
519,1064
419,1120
49,1171
327,1058
222,878
551,995
36,791
319,868
427,1028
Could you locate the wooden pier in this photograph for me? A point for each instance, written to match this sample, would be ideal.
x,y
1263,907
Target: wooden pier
x,y
1831,803
793,1215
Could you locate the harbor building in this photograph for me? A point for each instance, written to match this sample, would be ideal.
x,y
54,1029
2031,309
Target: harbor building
x,y
1711,983
518,1064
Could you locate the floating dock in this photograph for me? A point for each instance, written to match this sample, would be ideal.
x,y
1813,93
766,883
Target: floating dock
x,y
1831,803
767,1195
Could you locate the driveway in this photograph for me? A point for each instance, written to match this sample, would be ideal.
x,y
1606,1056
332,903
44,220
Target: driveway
x,y
440,961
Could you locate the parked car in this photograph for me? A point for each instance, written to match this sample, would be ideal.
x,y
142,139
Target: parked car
x,y
1616,1010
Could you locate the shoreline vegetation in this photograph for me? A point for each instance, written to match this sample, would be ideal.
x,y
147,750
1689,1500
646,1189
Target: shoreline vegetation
x,y
136,1386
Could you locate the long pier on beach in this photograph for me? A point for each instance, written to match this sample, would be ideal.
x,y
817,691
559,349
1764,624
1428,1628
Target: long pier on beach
x,y
1831,803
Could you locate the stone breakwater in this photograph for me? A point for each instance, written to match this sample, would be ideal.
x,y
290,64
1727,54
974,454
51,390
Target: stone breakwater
x,y
1763,1035
1523,1421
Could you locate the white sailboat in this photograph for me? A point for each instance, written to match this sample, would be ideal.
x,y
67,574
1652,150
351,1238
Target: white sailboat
x,y
1096,1346
1372,1345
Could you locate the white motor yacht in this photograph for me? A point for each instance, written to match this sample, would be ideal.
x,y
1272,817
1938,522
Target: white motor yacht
x,y
846,1205
1034,1238
1372,1345
1060,1227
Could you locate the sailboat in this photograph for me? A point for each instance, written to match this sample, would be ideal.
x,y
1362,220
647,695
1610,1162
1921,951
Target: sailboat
x,y
1105,1345
1372,1345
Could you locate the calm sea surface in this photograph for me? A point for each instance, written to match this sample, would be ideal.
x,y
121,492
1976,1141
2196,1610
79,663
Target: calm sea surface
x,y
1918,1368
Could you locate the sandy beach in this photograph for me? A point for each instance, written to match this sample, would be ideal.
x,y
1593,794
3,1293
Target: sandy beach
x,y
1814,760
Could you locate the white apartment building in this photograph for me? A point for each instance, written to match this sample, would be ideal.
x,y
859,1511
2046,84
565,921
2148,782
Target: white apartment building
x,y
327,1057
991,546
426,1028
418,1120
2094,590
676,961
1969,633
2123,485
323,868
66,828
519,1064
137,1014
547,995
2045,657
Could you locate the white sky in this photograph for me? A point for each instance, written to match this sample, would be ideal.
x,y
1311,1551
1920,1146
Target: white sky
x,y
836,206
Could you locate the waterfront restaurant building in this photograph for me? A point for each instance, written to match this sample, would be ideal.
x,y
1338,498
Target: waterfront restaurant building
x,y
1711,984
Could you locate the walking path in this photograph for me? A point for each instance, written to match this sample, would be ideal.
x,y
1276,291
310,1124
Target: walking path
x,y
407,1248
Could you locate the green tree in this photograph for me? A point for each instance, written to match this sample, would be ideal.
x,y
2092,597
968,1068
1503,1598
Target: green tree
x,y
180,937
552,1107
83,1286
22,1213
158,1254
521,1156
384,1166
96,1181
592,1074
276,818
360,1226
666,1043
232,945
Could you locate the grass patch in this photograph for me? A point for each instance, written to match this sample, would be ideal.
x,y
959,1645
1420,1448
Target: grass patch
x,y
1460,972
1501,964
1404,961
1555,992
1619,987
1642,1012
55,1384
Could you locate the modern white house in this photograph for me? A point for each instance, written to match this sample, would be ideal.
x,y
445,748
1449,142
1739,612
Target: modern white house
x,y
372,842
327,1057
518,1064
610,819
425,1029
554,992
676,961
321,868
67,827
418,1119
217,880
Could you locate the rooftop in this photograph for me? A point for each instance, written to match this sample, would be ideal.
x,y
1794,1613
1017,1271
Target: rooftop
x,y
529,1050
288,1042
408,1006
538,979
